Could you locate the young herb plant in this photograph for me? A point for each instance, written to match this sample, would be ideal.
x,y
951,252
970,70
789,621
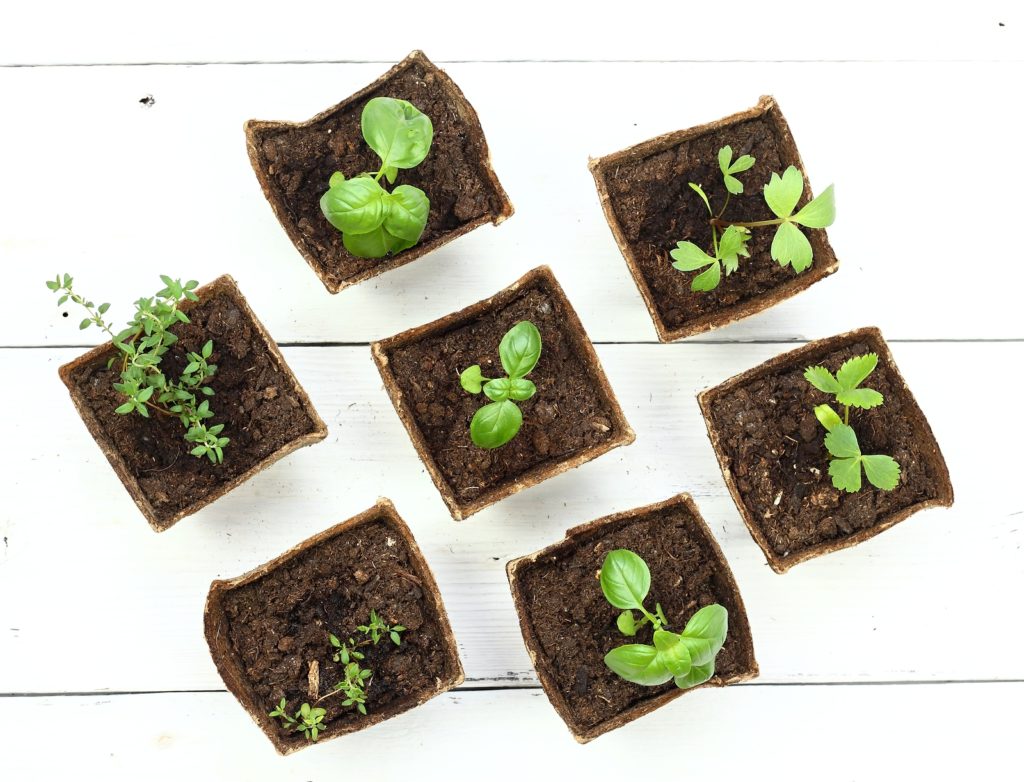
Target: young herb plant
x,y
687,657
374,222
729,237
496,423
846,460
378,628
308,720
356,680
142,346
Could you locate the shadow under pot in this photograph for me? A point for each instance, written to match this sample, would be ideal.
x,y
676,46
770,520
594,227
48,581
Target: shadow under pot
x,y
569,625
264,411
295,162
342,632
651,208
807,477
560,405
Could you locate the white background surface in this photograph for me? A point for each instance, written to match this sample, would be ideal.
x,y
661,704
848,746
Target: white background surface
x,y
898,657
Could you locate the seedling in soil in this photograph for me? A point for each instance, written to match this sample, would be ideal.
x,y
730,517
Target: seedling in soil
x,y
308,719
495,424
356,680
142,346
354,685
687,657
374,222
841,440
729,237
378,628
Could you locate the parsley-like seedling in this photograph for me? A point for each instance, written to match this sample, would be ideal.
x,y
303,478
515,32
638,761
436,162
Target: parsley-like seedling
x,y
142,346
789,247
309,720
496,423
847,460
373,221
687,657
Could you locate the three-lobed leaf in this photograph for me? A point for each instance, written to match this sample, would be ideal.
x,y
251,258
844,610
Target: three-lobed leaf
x,y
625,579
782,193
729,167
398,132
882,471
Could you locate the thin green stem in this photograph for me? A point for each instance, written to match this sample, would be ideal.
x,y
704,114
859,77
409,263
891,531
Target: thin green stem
x,y
846,414
721,212
719,223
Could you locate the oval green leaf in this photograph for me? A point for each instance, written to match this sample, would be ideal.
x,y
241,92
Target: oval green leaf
x,y
472,379
406,213
520,349
498,389
495,424
704,635
827,417
819,213
522,389
398,132
674,654
355,206
698,674
638,663
370,245
626,623
625,579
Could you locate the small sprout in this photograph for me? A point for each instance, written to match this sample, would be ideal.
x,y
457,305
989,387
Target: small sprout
x,y
846,461
378,628
354,685
688,657
790,247
357,678
142,346
496,423
374,222
308,720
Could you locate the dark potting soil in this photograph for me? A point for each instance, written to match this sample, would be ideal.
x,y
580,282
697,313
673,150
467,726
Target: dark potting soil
x,y
780,464
575,624
279,623
254,399
569,413
656,208
301,159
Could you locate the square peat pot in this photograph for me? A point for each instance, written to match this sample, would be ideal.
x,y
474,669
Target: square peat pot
x,y
568,645
265,411
294,161
269,630
649,205
574,416
771,450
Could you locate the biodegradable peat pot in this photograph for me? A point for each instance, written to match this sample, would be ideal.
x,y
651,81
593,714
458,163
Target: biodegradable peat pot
x,y
573,418
294,161
569,626
265,411
772,453
649,206
265,628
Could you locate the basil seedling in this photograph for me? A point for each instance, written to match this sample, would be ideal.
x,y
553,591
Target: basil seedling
x,y
846,460
495,424
687,657
141,347
374,222
789,247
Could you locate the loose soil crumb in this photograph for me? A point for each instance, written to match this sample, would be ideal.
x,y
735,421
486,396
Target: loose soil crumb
x,y
279,624
255,400
780,465
656,208
569,413
575,624
301,159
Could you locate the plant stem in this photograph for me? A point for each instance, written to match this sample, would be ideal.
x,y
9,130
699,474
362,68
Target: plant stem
x,y
717,222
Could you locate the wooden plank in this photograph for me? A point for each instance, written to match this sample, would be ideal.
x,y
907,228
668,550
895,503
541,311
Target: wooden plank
x,y
534,31
115,191
784,732
93,600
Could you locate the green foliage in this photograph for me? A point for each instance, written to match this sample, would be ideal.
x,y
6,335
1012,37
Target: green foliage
x,y
142,346
354,685
847,461
374,222
496,423
357,678
308,720
729,238
688,657
378,628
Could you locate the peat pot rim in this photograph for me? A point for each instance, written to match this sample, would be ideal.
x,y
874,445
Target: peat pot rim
x,y
822,267
254,129
225,284
547,680
541,275
922,429
214,622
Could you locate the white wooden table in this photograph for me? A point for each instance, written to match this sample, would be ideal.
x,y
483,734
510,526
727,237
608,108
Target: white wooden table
x,y
901,656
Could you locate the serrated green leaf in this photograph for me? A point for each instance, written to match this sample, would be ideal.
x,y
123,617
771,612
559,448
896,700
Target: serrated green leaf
x,y
495,424
790,246
822,379
732,245
855,371
883,471
782,193
703,196
625,579
708,279
472,379
865,398
819,213
827,417
841,441
845,473
638,663
689,257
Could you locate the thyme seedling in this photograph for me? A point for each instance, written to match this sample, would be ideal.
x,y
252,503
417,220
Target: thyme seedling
x,y
688,657
846,460
496,423
374,222
308,719
789,247
142,346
